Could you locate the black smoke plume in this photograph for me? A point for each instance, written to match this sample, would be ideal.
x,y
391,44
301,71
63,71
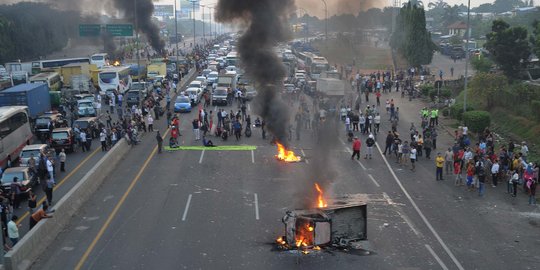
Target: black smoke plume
x,y
108,44
144,11
266,27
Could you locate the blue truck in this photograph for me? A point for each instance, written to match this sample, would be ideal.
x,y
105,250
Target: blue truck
x,y
34,95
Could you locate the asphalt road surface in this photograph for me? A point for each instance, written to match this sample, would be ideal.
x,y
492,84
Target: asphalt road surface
x,y
223,210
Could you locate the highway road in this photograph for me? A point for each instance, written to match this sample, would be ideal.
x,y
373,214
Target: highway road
x,y
223,210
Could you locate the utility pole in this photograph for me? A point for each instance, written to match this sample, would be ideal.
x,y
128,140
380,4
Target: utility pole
x,y
193,14
177,40
203,31
325,24
137,51
467,56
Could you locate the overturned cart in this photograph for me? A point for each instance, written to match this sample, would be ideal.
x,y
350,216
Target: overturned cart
x,y
343,224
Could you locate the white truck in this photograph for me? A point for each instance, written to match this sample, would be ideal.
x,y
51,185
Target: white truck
x,y
330,87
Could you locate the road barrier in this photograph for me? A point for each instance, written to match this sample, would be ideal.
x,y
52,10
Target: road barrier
x,y
27,250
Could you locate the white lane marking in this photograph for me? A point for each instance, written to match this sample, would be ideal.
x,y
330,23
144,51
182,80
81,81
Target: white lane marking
x,y
342,142
402,215
202,156
413,203
304,154
252,156
373,179
249,108
441,263
215,108
184,216
358,161
256,206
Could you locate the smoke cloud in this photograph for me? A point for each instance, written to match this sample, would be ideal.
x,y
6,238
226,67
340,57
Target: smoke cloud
x,y
337,7
266,27
144,11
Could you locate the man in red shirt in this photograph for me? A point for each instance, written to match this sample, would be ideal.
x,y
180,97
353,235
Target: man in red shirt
x,y
356,145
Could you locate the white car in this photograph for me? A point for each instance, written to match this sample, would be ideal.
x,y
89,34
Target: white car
x,y
230,68
194,94
201,79
196,84
212,77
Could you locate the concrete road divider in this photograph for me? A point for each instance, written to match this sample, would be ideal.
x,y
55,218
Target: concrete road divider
x,y
45,232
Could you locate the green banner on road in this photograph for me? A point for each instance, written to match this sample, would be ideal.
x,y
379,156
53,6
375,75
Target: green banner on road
x,y
215,148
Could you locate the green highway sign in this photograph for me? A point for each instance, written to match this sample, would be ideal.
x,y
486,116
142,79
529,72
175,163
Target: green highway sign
x,y
89,30
120,30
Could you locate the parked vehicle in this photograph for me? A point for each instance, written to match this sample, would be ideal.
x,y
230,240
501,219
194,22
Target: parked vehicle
x,y
89,123
43,122
25,177
33,149
85,108
33,95
63,138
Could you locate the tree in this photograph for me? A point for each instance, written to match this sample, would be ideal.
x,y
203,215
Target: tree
x,y
450,15
535,38
411,39
487,87
508,46
481,64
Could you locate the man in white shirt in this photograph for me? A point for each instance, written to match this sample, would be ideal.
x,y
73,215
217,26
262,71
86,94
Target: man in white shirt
x,y
13,230
50,169
103,140
150,122
495,173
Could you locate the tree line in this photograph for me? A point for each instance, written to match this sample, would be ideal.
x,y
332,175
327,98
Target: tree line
x,y
30,30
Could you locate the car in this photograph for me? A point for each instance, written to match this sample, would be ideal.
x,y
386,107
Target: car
x,y
201,79
84,96
299,77
212,77
41,126
289,88
182,104
219,96
251,93
145,87
196,84
25,176
85,108
33,149
133,97
205,72
88,123
194,94
63,138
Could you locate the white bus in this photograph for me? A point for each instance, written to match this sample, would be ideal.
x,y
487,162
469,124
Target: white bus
x,y
231,59
100,60
15,132
52,79
55,65
116,78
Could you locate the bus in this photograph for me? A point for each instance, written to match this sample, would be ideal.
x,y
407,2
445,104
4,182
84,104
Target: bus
x,y
232,59
100,60
54,65
117,78
317,65
52,79
15,132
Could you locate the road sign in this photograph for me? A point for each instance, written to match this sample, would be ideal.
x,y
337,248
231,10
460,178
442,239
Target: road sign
x,y
119,30
164,10
89,30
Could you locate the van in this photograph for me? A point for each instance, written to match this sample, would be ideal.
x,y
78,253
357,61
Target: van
x,y
32,149
63,138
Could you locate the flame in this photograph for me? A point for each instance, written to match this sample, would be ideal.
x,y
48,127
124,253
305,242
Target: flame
x,y
321,202
116,63
280,241
286,155
310,228
316,248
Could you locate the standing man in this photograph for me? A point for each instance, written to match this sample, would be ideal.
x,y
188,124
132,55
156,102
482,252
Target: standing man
x,y
439,163
150,122
369,143
103,140
62,158
13,230
389,141
495,173
356,148
83,140
481,173
448,160
196,130
159,142
413,158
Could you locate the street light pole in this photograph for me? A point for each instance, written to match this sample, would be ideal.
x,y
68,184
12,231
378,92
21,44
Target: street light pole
x,y
193,14
325,24
137,51
176,38
467,56
203,31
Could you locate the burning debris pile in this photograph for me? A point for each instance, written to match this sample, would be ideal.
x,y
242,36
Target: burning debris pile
x,y
341,224
286,155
